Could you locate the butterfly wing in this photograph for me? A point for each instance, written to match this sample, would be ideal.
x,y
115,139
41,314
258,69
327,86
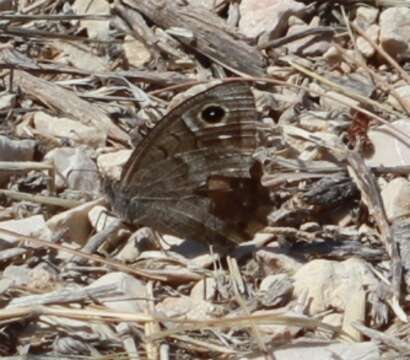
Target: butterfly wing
x,y
223,117
164,183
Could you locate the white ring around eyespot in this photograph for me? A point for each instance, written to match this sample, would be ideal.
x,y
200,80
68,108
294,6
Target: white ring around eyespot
x,y
224,108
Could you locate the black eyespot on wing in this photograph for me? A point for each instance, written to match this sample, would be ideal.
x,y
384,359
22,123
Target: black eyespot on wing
x,y
213,114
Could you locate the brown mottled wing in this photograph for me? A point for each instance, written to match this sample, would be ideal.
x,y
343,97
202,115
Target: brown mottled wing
x,y
182,130
162,184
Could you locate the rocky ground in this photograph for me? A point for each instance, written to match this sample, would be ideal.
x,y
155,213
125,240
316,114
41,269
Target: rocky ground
x,y
326,273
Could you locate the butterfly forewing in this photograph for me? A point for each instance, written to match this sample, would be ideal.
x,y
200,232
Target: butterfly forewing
x,y
186,128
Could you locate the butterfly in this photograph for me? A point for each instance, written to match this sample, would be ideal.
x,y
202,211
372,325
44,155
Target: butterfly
x,y
193,174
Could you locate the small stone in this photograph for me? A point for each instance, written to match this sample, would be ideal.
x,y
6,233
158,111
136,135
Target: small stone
x,y
111,164
42,277
403,92
312,45
96,29
185,307
129,253
310,227
277,332
396,198
346,68
136,52
204,289
333,56
275,260
355,310
19,275
315,90
275,290
75,169
74,223
73,130
141,241
294,20
279,72
266,16
5,285
395,30
27,226
131,292
116,231
81,57
334,319
169,242
99,218
366,16
331,283
7,101
390,148
271,279
364,46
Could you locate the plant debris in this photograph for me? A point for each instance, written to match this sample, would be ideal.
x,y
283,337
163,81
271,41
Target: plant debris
x,y
327,271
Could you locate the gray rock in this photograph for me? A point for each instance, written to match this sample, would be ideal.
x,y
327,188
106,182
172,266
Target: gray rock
x,y
396,198
395,30
390,149
313,45
26,226
131,292
66,128
334,282
266,16
366,16
75,169
403,92
364,46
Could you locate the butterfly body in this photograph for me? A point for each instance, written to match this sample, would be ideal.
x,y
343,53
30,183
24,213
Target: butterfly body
x,y
190,175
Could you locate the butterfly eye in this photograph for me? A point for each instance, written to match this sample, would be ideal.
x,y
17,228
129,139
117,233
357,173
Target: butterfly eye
x,y
213,114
